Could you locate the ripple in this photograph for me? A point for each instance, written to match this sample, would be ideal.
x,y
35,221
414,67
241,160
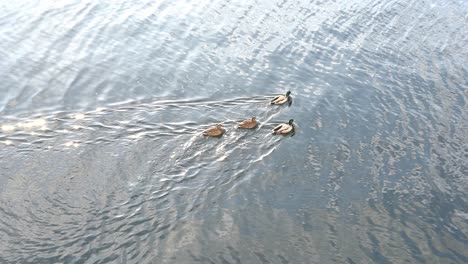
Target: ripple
x,y
122,126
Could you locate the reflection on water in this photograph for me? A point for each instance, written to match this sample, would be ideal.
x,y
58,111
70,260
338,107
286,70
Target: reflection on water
x,y
102,105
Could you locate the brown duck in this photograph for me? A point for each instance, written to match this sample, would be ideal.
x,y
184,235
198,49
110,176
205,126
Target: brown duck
x,y
248,123
214,131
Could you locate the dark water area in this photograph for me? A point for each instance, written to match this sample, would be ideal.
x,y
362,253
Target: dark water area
x,y
102,104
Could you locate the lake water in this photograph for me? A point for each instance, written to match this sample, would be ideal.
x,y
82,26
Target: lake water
x,y
102,104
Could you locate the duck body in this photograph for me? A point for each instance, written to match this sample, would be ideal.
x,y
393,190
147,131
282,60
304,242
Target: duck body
x,y
214,131
281,99
248,124
284,128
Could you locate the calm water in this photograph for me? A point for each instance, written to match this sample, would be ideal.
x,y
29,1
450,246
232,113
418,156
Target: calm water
x,y
102,104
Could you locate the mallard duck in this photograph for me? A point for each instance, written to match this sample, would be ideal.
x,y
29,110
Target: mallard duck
x,y
284,128
214,131
281,99
248,123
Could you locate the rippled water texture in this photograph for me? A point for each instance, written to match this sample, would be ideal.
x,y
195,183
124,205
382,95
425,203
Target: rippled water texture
x,y
102,104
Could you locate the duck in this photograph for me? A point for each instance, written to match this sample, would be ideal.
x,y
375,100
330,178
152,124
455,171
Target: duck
x,y
248,123
284,128
281,99
214,131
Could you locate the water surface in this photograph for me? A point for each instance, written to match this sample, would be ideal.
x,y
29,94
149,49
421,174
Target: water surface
x,y
102,104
